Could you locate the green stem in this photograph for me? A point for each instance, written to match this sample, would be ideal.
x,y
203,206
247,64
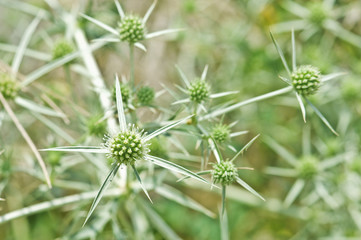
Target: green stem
x,y
131,53
251,100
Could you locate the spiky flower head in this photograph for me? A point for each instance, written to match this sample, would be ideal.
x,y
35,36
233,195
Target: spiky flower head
x,y
62,48
8,86
224,173
127,146
220,132
131,29
306,80
307,167
318,13
145,95
126,94
198,91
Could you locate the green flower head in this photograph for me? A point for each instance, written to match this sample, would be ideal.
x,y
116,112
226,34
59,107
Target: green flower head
x,y
127,146
198,91
318,13
145,95
126,94
307,167
306,80
220,132
131,29
62,48
8,86
224,173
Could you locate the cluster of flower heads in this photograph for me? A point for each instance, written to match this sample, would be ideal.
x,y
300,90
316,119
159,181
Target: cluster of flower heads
x,y
306,79
224,173
127,146
131,29
198,91
8,86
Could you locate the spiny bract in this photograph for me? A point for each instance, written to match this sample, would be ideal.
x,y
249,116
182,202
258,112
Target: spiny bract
x,y
306,80
220,132
127,146
145,95
8,86
198,91
131,29
224,173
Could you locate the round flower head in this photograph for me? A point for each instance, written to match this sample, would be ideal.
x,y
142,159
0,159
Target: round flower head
x,y
306,80
318,13
62,48
127,146
307,167
131,29
220,133
8,86
126,94
224,173
198,91
145,95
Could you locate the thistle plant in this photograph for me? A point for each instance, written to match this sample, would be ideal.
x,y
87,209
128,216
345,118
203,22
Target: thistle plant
x,y
126,147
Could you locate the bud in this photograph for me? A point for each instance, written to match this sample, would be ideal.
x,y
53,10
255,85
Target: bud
x,y
131,29
318,13
127,146
220,133
145,95
198,91
224,173
126,94
62,48
306,80
307,167
8,86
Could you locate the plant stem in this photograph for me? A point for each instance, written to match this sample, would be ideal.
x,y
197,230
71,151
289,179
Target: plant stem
x,y
251,100
131,59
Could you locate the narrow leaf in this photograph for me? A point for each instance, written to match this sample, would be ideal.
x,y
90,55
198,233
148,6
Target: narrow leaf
x,y
204,73
162,32
249,188
215,149
120,9
183,76
165,128
294,192
140,46
141,184
149,12
222,94
24,42
100,24
198,173
245,147
283,152
102,189
121,115
224,190
34,107
174,167
280,53
85,149
303,110
319,114
332,76
293,51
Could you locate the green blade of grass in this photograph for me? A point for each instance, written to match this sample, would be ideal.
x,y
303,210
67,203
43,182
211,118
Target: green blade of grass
x,y
102,189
